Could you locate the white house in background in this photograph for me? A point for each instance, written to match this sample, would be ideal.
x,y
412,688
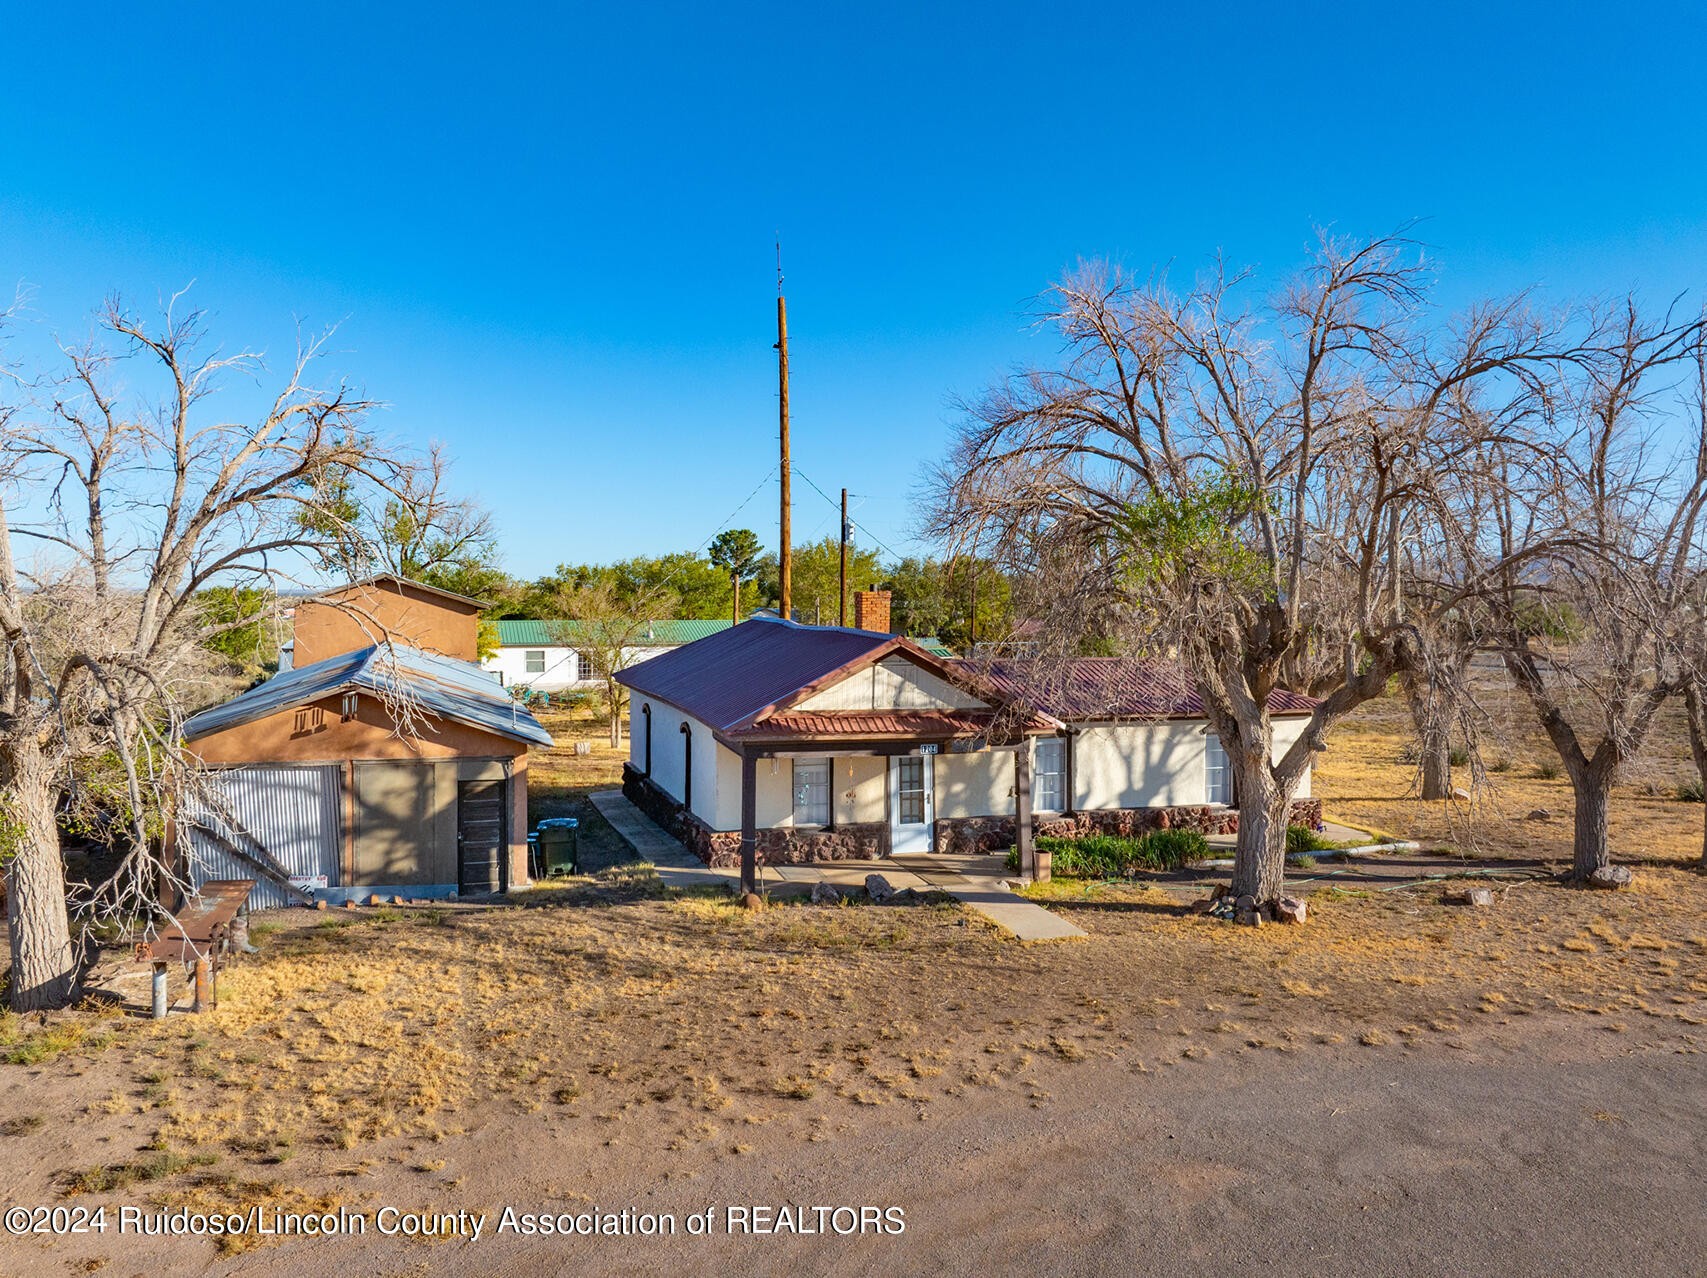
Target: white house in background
x,y
807,743
541,654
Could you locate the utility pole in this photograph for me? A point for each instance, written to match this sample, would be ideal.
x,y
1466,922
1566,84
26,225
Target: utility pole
x,y
842,613
785,559
734,597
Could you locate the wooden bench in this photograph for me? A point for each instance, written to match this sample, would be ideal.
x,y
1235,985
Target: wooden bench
x,y
203,933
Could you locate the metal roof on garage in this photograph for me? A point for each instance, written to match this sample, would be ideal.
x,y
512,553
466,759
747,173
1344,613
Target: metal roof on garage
x,y
441,686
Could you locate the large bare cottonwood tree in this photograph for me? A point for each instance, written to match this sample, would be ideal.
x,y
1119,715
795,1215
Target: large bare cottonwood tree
x,y
124,493
1231,480
1597,629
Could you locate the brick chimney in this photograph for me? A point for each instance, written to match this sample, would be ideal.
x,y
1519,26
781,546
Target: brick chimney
x,y
871,610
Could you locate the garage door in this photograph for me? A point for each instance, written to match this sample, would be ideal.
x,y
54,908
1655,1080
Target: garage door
x,y
292,813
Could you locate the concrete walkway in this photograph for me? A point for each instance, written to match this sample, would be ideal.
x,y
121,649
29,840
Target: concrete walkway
x,y
981,889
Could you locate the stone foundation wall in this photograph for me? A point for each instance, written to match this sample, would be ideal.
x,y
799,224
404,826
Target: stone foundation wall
x,y
996,834
867,841
781,845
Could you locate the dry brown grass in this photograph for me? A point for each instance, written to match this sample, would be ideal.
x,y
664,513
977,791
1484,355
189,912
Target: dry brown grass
x,y
374,1043
1363,779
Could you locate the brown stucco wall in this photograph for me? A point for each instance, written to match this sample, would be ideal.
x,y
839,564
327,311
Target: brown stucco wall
x,y
448,752
360,616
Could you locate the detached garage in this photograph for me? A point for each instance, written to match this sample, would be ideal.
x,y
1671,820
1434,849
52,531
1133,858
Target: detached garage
x,y
384,771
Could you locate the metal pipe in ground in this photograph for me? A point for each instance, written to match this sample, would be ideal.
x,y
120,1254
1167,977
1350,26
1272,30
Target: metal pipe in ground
x,y
159,991
204,985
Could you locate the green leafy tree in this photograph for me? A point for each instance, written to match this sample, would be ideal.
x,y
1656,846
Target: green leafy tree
x,y
736,551
241,624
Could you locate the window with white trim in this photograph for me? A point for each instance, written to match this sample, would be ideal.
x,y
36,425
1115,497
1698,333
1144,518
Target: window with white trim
x,y
1050,771
812,792
584,667
534,661
1217,772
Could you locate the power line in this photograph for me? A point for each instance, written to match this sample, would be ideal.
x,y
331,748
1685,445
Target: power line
x,y
837,505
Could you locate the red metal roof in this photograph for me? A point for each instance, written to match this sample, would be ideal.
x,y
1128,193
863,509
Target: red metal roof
x,y
1093,688
871,724
729,678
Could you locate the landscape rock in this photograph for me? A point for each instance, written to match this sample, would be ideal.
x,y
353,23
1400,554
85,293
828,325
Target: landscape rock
x,y
1477,896
1289,909
1540,814
583,747
1461,794
825,893
880,889
752,901
1250,918
1610,877
1245,904
1203,905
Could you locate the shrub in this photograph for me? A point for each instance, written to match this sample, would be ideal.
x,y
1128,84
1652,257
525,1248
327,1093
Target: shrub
x,y
1546,772
1109,856
1691,791
1458,757
1500,765
1301,839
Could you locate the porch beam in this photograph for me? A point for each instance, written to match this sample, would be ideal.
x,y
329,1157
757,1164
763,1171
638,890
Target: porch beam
x,y
1030,863
749,821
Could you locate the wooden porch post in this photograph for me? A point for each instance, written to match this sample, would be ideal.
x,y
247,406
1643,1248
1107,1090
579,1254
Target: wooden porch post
x,y
749,822
1030,863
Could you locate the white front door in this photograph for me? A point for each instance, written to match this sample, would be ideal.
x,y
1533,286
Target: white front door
x,y
910,804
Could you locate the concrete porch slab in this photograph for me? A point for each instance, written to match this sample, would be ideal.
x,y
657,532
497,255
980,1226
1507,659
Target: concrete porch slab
x,y
679,868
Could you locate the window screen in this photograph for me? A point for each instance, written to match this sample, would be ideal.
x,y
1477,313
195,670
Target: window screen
x,y
536,661
910,790
583,667
812,792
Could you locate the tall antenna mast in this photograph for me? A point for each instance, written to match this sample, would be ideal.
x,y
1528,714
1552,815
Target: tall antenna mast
x,y
785,559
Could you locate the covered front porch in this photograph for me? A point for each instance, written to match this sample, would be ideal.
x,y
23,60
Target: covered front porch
x,y
883,780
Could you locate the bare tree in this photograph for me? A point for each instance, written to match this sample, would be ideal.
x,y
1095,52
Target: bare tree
x,y
610,630
118,509
1595,630
1233,482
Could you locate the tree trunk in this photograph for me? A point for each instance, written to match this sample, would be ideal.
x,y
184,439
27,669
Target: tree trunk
x,y
1434,739
1259,859
1591,787
1695,713
44,966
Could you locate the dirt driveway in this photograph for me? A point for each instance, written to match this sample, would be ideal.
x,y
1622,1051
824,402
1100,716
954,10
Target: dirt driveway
x,y
1542,1158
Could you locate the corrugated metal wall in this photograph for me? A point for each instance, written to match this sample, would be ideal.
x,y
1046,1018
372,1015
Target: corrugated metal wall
x,y
291,812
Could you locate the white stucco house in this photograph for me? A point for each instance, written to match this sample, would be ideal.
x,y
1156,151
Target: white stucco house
x,y
541,654
781,742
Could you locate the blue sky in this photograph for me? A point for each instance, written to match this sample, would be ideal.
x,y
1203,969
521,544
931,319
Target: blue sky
x,y
548,235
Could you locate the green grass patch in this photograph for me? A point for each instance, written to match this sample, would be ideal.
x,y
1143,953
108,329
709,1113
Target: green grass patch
x,y
115,1176
49,1044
